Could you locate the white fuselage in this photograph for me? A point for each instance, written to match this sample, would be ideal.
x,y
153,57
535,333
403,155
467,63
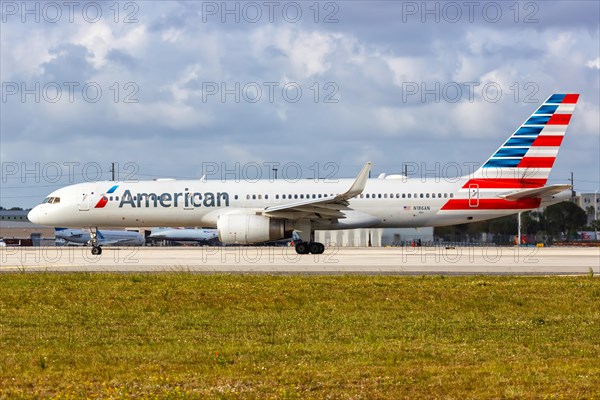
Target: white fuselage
x,y
385,202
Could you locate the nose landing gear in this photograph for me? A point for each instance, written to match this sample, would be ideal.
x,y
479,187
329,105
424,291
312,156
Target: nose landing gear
x,y
96,249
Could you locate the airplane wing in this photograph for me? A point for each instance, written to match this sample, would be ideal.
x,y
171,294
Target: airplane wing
x,y
536,192
331,208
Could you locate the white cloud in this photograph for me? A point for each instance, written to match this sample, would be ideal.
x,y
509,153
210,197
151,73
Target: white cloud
x,y
593,63
101,37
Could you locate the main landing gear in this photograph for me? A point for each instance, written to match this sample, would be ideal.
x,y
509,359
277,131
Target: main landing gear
x,y
96,249
310,247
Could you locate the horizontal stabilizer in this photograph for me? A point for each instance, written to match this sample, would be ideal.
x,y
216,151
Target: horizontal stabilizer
x,y
536,192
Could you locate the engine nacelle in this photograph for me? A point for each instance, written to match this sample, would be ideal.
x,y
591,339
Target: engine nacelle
x,y
248,228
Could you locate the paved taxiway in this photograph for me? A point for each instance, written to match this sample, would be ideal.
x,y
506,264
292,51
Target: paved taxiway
x,y
284,260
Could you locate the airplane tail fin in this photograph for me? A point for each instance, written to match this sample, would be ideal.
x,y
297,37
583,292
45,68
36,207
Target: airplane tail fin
x,y
526,158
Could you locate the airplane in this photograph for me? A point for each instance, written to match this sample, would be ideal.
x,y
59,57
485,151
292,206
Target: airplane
x,y
104,237
512,180
185,235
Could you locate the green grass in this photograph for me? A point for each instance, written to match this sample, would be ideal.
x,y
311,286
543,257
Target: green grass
x,y
287,337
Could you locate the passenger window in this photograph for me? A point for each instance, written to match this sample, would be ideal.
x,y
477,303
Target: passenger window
x,y
266,197
260,196
409,195
385,195
403,195
276,197
295,196
421,195
451,195
426,195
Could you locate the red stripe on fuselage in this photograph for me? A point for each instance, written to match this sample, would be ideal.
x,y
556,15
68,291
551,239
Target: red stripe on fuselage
x,y
505,183
537,162
102,202
552,141
493,204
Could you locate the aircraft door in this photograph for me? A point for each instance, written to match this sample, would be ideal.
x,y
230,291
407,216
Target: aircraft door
x,y
474,195
84,202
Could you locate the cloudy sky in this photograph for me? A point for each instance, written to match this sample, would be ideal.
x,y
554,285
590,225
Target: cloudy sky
x,y
180,89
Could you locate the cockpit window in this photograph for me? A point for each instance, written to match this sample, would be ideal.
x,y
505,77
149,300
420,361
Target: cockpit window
x,y
51,200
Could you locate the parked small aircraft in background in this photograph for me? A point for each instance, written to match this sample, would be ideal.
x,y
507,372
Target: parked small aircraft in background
x,y
185,235
105,237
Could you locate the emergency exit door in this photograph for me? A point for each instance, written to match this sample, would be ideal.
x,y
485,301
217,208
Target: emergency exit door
x,y
473,195
84,202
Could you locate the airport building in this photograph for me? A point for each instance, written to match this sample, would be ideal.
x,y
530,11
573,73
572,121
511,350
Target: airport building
x,y
17,230
590,203
375,237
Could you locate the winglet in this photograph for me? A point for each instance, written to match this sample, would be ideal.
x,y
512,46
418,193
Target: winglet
x,y
359,184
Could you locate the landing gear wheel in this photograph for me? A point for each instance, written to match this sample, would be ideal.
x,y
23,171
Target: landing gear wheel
x,y
322,248
96,250
302,248
316,248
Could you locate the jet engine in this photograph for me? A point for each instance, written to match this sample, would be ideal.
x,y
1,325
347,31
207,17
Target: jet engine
x,y
248,228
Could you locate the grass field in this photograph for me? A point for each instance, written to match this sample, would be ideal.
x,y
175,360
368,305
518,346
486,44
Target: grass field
x,y
287,337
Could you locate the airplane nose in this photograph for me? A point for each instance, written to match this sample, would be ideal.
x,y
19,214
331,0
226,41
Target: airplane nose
x,y
34,215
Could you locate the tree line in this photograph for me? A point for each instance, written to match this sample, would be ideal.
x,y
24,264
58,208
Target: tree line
x,y
557,222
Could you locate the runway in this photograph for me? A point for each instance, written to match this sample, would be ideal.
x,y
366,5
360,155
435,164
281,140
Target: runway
x,y
284,260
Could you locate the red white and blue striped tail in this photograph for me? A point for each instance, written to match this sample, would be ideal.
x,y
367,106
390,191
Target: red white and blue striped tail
x,y
526,158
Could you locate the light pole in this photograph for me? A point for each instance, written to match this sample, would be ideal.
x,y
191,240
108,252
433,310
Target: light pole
x,y
519,229
596,204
